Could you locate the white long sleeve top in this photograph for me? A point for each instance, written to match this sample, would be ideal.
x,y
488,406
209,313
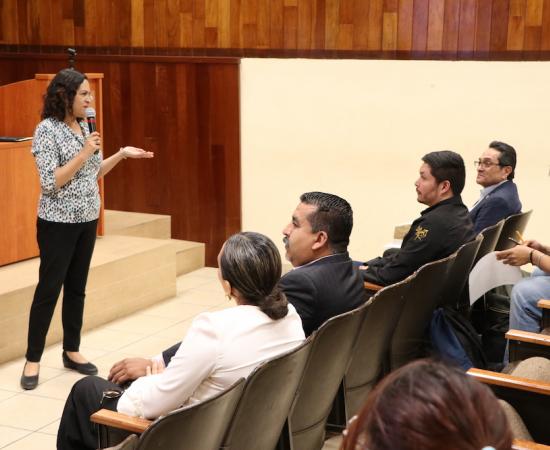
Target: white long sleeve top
x,y
219,348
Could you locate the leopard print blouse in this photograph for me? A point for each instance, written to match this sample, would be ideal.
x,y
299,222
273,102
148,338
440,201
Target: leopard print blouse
x,y
54,145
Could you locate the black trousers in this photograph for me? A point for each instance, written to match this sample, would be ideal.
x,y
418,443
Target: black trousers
x,y
65,254
76,432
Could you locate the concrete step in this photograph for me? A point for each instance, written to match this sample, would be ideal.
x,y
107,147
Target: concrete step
x,y
126,223
127,274
189,256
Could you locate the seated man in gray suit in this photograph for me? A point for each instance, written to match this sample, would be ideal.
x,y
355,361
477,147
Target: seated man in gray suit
x,y
322,284
499,196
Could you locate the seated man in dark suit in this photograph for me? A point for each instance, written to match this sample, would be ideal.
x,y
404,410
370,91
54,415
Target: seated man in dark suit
x,y
441,228
322,284
499,196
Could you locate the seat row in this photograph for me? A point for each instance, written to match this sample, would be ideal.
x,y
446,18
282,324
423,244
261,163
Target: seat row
x,y
285,402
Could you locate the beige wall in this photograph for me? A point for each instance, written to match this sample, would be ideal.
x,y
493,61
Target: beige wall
x,y
359,128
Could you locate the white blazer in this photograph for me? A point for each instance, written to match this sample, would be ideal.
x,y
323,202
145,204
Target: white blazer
x,y
219,348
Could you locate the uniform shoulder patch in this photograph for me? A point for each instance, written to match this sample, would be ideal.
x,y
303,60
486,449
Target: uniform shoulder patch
x,y
420,233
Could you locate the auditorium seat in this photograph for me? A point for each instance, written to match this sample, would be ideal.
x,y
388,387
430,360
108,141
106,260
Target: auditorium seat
x,y
525,344
333,345
457,276
198,427
370,358
530,398
266,401
491,236
409,338
512,225
545,320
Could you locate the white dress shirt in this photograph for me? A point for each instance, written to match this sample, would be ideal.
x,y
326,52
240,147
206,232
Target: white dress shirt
x,y
219,348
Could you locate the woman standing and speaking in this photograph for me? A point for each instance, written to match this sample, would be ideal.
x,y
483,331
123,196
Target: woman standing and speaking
x,y
69,163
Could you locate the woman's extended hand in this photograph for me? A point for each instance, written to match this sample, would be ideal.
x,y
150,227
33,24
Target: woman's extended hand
x,y
516,256
134,152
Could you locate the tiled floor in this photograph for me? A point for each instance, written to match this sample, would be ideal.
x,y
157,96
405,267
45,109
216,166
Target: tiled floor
x,y
29,419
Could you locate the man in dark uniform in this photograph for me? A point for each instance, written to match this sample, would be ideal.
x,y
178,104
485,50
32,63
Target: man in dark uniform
x,y
441,228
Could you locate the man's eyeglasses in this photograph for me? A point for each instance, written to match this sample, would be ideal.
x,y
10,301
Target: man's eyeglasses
x,y
485,164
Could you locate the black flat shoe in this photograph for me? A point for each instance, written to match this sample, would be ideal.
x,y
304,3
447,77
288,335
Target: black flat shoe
x,y
28,382
83,368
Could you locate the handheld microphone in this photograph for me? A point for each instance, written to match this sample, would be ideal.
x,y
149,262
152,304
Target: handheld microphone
x,y
90,120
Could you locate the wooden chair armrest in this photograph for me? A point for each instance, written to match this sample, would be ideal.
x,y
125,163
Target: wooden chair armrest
x,y
372,287
510,381
527,336
545,319
115,419
520,444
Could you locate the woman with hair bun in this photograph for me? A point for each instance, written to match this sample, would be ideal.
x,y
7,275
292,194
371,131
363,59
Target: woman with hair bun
x,y
427,405
219,348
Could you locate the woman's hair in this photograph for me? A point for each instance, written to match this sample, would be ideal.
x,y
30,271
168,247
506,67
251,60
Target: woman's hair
x,y
58,101
252,265
428,405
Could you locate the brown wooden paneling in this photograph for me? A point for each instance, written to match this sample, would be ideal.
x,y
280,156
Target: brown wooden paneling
x,y
187,113
467,28
448,29
420,26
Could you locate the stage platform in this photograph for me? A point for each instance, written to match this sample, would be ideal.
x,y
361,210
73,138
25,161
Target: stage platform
x,y
134,266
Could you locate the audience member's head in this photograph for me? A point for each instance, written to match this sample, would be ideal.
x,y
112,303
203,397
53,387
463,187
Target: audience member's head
x,y
496,164
250,267
61,92
442,175
430,406
321,225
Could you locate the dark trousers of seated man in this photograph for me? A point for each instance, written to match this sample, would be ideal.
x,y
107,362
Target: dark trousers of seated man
x,y
76,431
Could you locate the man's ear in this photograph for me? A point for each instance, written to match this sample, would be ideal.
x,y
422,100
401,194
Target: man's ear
x,y
507,171
320,241
444,187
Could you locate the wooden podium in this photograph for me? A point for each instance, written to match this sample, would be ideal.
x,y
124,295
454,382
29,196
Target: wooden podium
x,y
20,109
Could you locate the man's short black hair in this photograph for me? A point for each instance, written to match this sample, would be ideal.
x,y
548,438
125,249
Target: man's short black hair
x,y
507,156
447,165
333,216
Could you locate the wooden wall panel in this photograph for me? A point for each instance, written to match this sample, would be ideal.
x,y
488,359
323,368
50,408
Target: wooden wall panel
x,y
436,29
187,112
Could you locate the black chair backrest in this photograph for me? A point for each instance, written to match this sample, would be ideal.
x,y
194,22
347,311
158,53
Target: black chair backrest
x,y
333,344
195,427
423,296
266,401
459,272
490,238
513,223
370,358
